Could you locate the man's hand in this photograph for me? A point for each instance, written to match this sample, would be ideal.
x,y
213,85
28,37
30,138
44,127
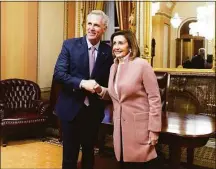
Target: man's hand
x,y
88,85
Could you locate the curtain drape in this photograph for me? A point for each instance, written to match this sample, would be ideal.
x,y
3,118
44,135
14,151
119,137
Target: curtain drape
x,y
87,7
126,15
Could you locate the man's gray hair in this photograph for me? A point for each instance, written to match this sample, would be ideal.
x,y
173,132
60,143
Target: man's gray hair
x,y
201,51
102,14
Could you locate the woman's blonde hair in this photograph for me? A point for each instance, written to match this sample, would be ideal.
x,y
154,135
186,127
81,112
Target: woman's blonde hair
x,y
132,42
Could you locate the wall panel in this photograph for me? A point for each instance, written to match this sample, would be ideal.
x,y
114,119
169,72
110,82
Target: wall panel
x,y
18,40
50,38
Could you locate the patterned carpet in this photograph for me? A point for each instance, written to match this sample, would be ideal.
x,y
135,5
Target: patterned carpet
x,y
30,154
36,154
204,156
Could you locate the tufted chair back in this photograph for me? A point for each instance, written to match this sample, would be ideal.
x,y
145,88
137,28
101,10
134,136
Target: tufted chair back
x,y
21,109
18,95
163,83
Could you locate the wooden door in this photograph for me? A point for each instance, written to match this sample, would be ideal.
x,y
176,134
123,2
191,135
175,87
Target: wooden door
x,y
197,43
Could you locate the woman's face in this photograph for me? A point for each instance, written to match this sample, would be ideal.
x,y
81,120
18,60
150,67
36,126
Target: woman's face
x,y
120,46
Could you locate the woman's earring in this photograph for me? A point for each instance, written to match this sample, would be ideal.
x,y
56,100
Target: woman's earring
x,y
129,50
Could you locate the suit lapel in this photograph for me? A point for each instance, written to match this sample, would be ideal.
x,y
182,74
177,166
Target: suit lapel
x,y
83,56
101,58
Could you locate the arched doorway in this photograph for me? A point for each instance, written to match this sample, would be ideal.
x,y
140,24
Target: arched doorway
x,y
187,45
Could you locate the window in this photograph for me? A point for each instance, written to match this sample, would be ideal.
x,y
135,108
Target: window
x,y
113,20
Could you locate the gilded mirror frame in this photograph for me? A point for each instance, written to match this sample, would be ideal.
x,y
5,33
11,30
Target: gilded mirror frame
x,y
142,26
195,70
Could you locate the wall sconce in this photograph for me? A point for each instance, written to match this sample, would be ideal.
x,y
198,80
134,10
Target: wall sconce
x,y
176,20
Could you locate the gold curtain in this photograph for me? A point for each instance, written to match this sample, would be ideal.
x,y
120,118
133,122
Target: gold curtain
x,y
126,14
87,7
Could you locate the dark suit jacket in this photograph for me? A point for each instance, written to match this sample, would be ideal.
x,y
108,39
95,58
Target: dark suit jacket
x,y
187,64
197,62
71,67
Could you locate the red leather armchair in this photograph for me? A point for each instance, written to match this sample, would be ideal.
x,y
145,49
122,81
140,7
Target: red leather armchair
x,y
21,109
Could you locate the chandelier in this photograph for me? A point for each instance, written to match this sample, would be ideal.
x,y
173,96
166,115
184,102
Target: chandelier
x,y
205,22
176,20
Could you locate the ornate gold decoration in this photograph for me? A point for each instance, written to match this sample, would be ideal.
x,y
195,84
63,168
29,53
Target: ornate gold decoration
x,y
199,87
205,72
78,28
214,52
146,52
138,21
83,11
132,18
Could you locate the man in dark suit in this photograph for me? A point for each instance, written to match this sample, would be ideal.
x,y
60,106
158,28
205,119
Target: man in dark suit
x,y
198,61
79,109
187,63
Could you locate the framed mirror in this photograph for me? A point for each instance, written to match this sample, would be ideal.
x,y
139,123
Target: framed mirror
x,y
177,35
172,36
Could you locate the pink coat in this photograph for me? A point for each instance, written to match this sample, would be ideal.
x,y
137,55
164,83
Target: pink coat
x,y
137,109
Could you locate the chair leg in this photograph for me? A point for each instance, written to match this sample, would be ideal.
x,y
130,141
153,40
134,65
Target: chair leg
x,y
4,141
43,133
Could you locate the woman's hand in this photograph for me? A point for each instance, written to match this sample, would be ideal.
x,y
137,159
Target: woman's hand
x,y
153,138
97,88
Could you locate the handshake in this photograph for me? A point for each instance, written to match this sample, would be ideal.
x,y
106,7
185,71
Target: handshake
x,y
91,86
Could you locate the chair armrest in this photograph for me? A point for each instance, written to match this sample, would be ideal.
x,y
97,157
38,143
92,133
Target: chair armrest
x,y
42,107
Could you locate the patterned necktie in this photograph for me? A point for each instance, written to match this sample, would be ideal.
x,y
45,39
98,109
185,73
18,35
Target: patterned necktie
x,y
91,59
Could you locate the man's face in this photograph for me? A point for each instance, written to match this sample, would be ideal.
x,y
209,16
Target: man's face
x,y
95,28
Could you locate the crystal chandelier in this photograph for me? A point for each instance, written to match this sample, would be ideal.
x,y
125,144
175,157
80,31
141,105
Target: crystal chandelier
x,y
176,20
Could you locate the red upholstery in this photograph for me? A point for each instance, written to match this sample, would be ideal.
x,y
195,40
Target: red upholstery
x,y
20,105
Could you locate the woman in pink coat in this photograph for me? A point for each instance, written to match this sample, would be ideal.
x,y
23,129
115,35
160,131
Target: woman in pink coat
x,y
134,91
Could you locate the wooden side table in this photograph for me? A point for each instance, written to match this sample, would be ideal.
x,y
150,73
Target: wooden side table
x,y
188,130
